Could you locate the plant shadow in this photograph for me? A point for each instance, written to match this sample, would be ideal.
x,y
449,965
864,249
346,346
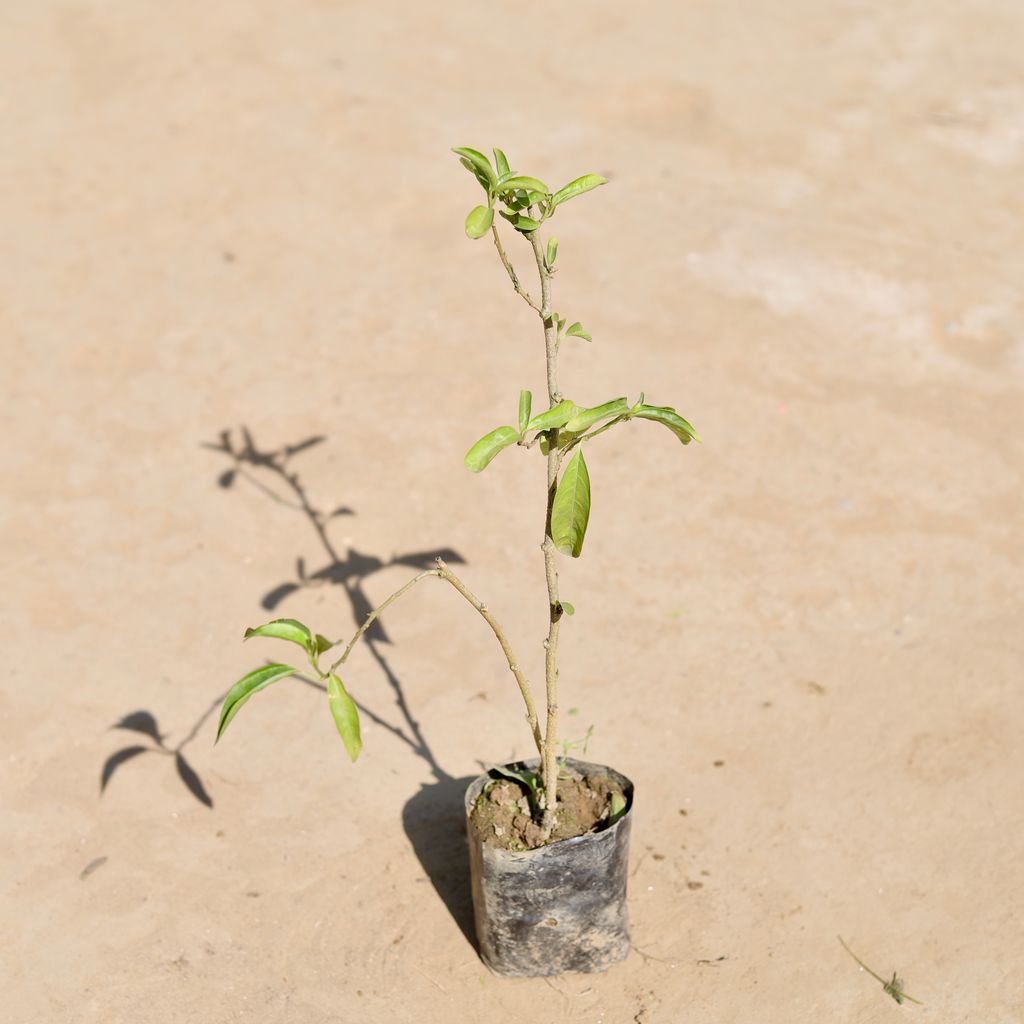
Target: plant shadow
x,y
145,723
435,822
433,819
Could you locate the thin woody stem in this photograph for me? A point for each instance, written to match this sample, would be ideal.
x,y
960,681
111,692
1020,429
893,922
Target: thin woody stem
x,y
511,272
549,758
513,664
374,615
443,572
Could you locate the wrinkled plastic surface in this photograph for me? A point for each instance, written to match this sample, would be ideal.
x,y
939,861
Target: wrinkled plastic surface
x,y
558,908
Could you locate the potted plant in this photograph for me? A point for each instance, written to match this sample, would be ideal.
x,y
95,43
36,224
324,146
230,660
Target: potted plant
x,y
548,838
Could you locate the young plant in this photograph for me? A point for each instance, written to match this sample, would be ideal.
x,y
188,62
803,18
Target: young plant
x,y
560,432
893,987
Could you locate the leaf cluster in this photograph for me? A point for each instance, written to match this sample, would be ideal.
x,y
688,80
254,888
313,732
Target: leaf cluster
x,y
567,426
342,707
524,201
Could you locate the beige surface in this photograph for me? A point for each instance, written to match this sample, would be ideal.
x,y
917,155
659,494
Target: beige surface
x,y
231,213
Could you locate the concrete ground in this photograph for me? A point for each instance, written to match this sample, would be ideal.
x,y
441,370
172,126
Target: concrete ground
x,y
800,639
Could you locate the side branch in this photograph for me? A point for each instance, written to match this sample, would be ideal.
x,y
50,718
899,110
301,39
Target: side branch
x,y
513,277
375,614
443,572
513,664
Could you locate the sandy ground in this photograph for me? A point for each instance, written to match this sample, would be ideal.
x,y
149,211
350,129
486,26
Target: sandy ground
x,y
801,639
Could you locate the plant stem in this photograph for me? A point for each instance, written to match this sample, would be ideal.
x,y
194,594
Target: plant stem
x,y
513,664
549,756
372,617
511,272
443,572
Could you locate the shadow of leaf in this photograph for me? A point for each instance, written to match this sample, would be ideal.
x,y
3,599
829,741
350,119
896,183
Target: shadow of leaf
x,y
425,559
362,606
117,759
294,449
141,721
192,781
274,597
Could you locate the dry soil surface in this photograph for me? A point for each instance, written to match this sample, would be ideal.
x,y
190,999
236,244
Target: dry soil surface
x,y
801,639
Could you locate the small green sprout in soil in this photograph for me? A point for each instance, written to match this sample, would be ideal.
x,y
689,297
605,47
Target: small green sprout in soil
x,y
893,987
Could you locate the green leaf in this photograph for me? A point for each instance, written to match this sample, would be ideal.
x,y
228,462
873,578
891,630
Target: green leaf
x,y
570,510
481,179
576,330
519,220
525,401
616,808
577,188
479,456
532,198
524,181
346,716
501,162
479,221
255,681
284,629
523,223
567,608
552,252
557,416
667,416
529,779
321,644
479,162
585,418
